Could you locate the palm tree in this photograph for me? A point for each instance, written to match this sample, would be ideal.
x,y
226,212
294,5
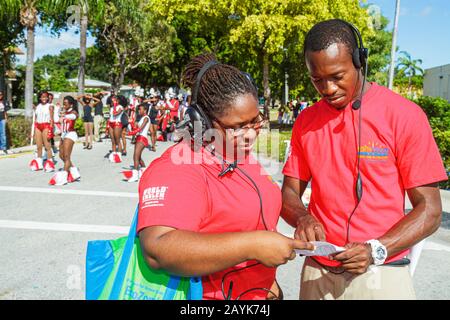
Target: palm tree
x,y
29,12
28,18
409,67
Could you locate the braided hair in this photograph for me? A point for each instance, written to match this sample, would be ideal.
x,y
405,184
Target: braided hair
x,y
219,87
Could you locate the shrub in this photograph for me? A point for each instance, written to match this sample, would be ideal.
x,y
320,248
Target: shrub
x,y
79,127
18,132
438,112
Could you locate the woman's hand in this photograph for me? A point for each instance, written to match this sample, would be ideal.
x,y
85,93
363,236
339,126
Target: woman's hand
x,y
273,249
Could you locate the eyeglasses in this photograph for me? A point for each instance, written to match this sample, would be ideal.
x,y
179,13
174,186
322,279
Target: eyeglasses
x,y
255,124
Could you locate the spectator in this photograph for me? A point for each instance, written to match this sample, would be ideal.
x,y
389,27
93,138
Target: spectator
x,y
98,117
4,107
88,102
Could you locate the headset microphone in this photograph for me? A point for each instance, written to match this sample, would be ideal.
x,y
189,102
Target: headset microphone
x,y
229,168
357,104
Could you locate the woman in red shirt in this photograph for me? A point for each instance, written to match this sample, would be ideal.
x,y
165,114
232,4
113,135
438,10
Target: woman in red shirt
x,y
208,209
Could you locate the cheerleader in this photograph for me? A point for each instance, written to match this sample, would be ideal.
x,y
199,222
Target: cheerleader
x,y
115,129
154,108
141,133
172,105
43,133
68,138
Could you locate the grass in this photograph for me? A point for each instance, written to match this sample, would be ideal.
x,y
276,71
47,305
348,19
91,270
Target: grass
x,y
271,143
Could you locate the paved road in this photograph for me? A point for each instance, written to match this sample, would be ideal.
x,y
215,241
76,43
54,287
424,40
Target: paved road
x,y
44,230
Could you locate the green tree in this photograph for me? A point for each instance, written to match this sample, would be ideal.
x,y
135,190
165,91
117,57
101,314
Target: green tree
x,y
133,36
409,68
253,35
28,11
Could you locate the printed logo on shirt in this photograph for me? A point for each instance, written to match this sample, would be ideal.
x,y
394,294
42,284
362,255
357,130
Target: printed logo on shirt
x,y
152,196
374,151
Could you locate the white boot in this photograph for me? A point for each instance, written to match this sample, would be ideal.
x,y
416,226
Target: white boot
x,y
115,157
134,177
49,166
74,174
36,164
59,178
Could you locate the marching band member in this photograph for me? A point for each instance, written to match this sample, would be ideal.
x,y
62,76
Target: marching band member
x,y
68,139
43,133
141,133
115,130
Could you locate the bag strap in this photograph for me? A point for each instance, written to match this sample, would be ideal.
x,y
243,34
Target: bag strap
x,y
127,251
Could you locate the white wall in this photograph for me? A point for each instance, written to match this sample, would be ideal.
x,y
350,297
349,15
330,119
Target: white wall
x,y
436,82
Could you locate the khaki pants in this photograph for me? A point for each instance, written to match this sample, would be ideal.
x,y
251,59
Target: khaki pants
x,y
97,124
378,283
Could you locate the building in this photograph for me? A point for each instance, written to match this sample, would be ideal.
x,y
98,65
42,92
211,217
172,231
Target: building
x,y
436,82
93,84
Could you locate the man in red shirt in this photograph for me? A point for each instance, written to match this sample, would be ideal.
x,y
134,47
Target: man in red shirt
x,y
359,129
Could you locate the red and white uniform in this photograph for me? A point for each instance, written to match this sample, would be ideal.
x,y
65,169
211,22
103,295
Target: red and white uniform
x,y
56,119
143,133
172,105
115,116
68,126
43,117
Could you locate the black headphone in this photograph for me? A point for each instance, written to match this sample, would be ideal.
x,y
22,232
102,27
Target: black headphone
x,y
360,53
195,113
360,57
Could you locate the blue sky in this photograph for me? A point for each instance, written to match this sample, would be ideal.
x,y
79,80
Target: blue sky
x,y
424,32
423,28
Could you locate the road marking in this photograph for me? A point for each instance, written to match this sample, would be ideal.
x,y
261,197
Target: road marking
x,y
48,226
70,192
15,155
431,245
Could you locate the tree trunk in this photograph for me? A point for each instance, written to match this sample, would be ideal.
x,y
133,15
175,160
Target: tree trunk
x,y
266,86
29,74
409,85
121,72
81,70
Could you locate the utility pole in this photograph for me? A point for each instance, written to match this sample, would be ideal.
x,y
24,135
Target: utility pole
x,y
394,45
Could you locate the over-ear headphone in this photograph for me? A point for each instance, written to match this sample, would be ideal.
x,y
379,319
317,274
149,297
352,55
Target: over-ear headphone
x,y
195,114
360,53
360,57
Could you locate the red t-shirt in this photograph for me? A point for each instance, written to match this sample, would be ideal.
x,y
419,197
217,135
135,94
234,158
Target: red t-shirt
x,y
398,152
192,197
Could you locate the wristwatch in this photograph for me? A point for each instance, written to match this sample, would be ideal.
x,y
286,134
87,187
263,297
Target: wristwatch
x,y
379,252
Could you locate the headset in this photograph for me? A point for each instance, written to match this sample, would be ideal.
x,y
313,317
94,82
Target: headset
x,y
195,114
360,57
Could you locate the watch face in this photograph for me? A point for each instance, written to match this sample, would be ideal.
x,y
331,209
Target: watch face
x,y
380,253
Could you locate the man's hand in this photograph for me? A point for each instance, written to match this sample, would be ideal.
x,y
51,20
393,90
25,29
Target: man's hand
x,y
309,229
356,259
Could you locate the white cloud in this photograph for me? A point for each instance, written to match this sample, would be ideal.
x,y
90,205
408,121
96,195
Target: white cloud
x,y
45,43
426,11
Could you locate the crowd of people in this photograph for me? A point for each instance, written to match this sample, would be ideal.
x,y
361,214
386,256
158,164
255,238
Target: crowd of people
x,y
145,120
288,113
